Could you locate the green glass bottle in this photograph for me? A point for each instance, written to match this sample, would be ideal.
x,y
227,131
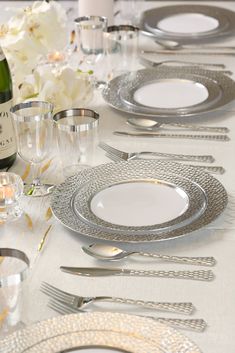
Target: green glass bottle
x,y
7,137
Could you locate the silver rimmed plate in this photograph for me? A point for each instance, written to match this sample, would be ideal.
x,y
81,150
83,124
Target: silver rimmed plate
x,y
62,198
188,23
170,93
134,204
98,332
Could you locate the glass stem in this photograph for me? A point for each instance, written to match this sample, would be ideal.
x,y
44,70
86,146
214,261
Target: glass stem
x,y
36,174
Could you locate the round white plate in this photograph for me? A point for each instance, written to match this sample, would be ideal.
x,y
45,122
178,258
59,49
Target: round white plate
x,y
140,203
66,200
171,93
188,23
96,331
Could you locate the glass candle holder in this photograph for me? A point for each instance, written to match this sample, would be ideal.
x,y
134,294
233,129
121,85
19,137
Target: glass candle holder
x,y
11,189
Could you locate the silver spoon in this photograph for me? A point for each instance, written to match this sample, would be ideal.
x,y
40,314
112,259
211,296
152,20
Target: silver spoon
x,y
152,125
112,253
173,45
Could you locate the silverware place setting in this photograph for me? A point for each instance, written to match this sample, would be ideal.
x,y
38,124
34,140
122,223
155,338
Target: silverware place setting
x,y
65,303
113,253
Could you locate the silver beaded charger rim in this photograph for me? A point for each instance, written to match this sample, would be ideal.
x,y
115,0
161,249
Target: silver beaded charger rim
x,y
127,333
62,209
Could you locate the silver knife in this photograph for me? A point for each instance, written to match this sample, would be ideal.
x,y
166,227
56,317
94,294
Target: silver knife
x,y
180,136
187,52
201,275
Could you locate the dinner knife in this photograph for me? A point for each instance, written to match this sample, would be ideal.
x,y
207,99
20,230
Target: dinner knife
x,y
180,136
187,52
201,275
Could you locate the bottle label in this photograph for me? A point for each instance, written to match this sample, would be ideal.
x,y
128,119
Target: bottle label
x,y
7,138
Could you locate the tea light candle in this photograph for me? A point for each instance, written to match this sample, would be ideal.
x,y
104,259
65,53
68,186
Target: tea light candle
x,y
56,57
6,192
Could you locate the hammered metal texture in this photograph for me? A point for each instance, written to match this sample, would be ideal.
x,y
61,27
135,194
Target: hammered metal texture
x,y
213,80
61,198
81,200
123,332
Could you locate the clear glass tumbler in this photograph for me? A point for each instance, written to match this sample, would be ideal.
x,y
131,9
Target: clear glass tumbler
x,y
11,189
14,266
77,136
122,43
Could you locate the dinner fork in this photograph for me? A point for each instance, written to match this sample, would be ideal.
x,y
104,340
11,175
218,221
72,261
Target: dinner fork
x,y
79,301
189,324
207,168
128,156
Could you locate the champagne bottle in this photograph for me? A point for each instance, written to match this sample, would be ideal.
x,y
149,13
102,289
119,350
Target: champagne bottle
x,y
7,137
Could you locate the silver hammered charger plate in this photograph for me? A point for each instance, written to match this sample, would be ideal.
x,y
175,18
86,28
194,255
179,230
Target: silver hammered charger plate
x,y
223,19
120,92
151,199
62,198
106,331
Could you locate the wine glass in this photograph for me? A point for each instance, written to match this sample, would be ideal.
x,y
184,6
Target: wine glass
x,y
34,129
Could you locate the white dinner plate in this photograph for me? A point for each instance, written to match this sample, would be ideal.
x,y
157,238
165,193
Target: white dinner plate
x,y
170,93
98,332
188,23
71,200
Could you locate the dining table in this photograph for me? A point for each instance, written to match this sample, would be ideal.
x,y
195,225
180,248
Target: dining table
x,y
214,300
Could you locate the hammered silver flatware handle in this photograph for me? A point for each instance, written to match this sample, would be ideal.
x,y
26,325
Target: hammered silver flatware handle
x,y
187,52
221,129
205,261
206,158
183,308
179,136
200,275
211,169
198,325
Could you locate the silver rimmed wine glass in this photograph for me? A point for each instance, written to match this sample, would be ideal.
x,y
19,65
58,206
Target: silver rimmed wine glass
x,y
34,128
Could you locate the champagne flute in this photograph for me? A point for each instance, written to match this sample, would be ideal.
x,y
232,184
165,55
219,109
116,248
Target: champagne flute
x,y
34,129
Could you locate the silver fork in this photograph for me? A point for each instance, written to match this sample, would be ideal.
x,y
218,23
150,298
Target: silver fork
x,y
198,325
208,168
127,156
79,301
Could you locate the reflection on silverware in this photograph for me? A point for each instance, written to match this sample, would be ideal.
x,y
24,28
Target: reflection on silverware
x,y
174,45
207,168
79,301
112,253
127,156
197,325
201,275
188,52
153,125
180,136
178,62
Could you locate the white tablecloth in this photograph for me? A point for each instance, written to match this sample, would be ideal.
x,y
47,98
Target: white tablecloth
x,y
214,301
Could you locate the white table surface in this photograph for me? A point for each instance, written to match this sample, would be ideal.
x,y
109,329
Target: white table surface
x,y
214,301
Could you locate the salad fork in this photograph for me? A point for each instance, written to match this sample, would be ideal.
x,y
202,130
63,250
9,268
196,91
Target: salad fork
x,y
197,325
79,301
127,156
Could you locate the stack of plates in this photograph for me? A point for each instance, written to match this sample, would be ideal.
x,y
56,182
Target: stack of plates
x,y
170,93
138,201
96,332
188,23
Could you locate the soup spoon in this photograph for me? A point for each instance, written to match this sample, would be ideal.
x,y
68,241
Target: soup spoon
x,y
174,45
152,125
112,253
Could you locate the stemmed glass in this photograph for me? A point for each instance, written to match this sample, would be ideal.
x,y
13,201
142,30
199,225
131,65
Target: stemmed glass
x,y
90,33
34,129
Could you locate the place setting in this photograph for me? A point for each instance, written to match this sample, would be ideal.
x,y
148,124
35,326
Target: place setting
x,y
121,156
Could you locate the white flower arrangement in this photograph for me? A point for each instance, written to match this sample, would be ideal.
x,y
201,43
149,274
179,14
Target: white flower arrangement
x,y
28,36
